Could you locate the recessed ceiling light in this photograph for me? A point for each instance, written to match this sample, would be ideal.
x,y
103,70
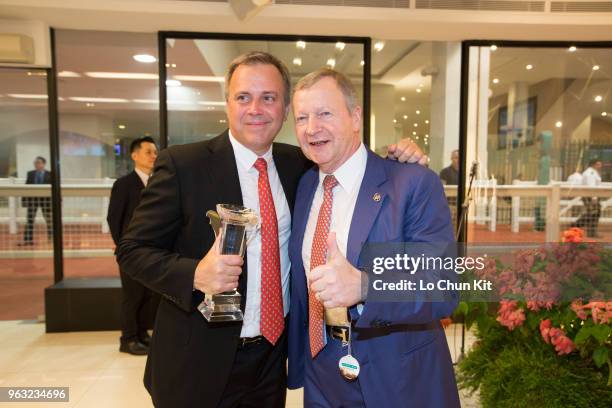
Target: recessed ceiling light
x,y
222,121
528,67
297,61
394,120
604,113
418,90
146,58
90,105
427,122
572,48
415,124
121,126
403,99
379,45
426,135
598,98
595,67
558,124
417,138
68,74
493,47
362,63
413,133
331,63
300,44
418,112
496,80
340,45
405,116
173,83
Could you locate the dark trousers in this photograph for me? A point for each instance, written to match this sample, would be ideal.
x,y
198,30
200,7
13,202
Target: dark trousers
x,y
136,308
590,216
45,207
259,376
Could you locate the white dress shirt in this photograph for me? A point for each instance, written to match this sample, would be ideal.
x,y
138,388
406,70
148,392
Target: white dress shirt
x,y
249,177
590,177
143,176
349,176
575,178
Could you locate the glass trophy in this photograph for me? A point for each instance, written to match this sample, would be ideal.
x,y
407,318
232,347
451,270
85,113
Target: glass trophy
x,y
234,223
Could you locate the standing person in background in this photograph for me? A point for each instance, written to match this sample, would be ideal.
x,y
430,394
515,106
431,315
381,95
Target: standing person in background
x,y
37,176
450,175
125,197
592,208
576,177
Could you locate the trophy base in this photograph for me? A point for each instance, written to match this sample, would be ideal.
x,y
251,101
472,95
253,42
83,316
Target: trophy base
x,y
224,307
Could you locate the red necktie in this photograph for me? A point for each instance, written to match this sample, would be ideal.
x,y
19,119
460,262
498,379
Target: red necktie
x,y
272,321
316,311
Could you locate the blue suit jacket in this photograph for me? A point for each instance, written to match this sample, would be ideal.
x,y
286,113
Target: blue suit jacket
x,y
401,347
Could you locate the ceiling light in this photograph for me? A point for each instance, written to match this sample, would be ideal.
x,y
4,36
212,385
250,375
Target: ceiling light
x,y
558,124
598,98
297,61
199,78
27,96
427,122
528,67
100,100
496,80
300,44
146,58
379,45
340,45
145,100
90,105
394,120
419,90
595,67
120,75
68,74
331,63
121,126
426,135
405,116
362,63
572,49
37,73
417,138
415,124
421,85
418,112
604,113
173,83
413,133
212,103
222,121
493,47
403,99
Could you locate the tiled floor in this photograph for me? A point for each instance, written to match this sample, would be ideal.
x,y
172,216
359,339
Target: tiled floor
x,y
90,364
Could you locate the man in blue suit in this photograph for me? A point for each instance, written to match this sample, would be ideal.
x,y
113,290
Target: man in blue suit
x,y
352,198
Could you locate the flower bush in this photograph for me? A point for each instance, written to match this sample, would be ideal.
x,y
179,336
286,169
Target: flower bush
x,y
553,307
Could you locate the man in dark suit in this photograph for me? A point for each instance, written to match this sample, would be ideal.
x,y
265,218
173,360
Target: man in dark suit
x,y
171,247
37,176
124,199
353,198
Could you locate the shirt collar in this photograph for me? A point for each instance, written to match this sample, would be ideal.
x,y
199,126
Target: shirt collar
x,y
347,172
143,176
245,158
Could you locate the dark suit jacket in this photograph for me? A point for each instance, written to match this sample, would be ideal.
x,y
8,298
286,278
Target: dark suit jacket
x,y
124,199
190,360
42,201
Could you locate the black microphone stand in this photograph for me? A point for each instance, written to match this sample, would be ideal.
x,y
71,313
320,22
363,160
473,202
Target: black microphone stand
x,y
462,215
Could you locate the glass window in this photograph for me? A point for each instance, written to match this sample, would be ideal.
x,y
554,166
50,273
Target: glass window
x,y
538,117
196,71
108,96
26,245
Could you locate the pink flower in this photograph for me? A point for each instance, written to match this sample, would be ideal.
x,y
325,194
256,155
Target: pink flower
x,y
509,315
563,344
545,326
578,308
601,312
573,235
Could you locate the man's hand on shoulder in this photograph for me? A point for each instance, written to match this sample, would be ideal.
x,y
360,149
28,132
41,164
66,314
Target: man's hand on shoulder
x,y
406,151
336,283
217,273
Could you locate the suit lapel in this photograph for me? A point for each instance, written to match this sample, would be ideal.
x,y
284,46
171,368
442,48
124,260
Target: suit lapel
x,y
223,171
285,167
369,202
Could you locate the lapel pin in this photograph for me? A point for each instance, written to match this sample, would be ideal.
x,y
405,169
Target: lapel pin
x,y
376,197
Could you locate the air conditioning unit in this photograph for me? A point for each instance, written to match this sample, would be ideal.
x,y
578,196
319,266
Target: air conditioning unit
x,y
16,48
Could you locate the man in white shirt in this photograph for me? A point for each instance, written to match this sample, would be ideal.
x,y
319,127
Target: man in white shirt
x,y
575,178
353,198
592,208
136,298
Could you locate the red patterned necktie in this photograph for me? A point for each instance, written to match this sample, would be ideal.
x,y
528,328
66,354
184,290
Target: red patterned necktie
x,y
316,311
272,321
